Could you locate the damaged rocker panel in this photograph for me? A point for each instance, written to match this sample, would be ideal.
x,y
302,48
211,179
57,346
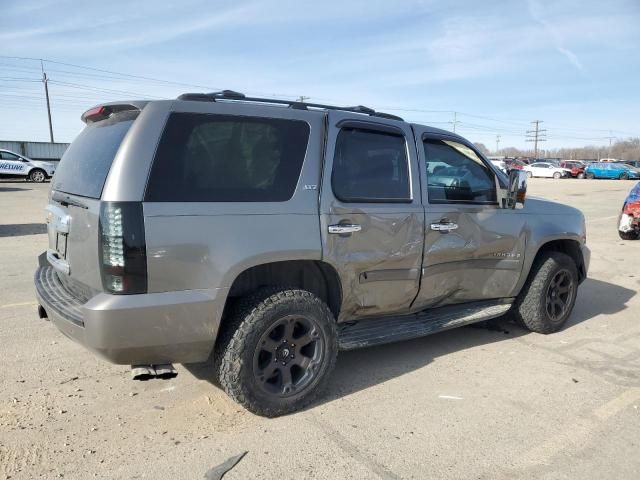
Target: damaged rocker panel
x,y
377,331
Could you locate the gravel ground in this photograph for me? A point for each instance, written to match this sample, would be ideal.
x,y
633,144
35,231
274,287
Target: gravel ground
x,y
467,403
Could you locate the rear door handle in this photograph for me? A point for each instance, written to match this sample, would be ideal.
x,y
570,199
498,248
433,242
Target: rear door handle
x,y
444,226
344,228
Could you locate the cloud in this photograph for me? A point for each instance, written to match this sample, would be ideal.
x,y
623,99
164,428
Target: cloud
x,y
536,14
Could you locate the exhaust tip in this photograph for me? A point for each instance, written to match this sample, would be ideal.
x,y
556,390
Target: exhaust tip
x,y
148,372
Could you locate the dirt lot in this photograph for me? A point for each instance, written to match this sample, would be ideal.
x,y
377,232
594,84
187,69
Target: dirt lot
x,y
468,403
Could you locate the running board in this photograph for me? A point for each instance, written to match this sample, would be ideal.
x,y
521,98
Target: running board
x,y
376,331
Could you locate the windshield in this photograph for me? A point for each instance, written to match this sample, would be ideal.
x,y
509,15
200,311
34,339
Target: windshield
x,y
85,165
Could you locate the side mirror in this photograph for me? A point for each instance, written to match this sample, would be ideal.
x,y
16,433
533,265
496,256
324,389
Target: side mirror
x,y
517,190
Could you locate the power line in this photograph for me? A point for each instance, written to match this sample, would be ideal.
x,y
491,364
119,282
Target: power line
x,y
120,74
106,90
66,92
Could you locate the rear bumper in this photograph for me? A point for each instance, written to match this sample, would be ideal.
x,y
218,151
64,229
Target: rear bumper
x,y
154,328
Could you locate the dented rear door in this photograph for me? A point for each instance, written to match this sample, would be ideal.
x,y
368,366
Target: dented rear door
x,y
371,213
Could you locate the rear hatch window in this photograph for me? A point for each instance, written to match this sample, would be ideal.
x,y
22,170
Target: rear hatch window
x,y
85,165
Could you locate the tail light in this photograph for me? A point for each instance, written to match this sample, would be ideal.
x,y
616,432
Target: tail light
x,y
123,250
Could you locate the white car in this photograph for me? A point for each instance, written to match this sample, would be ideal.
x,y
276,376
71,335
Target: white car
x,y
500,165
546,169
14,165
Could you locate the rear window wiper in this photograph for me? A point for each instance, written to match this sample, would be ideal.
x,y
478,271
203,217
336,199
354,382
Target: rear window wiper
x,y
65,200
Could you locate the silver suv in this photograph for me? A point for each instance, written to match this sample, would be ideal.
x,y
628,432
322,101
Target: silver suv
x,y
262,236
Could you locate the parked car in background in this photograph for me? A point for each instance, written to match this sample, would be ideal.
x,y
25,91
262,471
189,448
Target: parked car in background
x,y
631,163
13,165
500,165
629,220
515,164
577,168
546,169
552,161
612,170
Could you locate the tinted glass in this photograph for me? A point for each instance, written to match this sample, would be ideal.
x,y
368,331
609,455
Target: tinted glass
x,y
85,165
222,158
370,166
8,156
455,173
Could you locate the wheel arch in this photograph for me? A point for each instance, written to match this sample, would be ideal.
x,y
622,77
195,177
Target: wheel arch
x,y
315,276
35,169
569,247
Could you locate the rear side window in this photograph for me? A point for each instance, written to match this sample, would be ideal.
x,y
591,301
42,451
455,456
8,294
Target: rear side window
x,y
226,158
85,165
370,166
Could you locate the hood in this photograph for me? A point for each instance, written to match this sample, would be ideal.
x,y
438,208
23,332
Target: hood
x,y
540,206
39,163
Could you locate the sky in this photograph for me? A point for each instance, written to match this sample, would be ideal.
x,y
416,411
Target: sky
x,y
498,64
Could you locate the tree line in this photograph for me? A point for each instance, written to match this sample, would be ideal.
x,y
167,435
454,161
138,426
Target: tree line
x,y
621,149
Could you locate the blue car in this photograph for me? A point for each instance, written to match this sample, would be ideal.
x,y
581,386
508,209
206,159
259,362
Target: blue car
x,y
619,171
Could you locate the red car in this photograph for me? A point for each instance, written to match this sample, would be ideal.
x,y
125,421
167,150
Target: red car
x,y
515,164
577,168
629,220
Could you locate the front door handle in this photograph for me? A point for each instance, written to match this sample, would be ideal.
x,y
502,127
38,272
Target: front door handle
x,y
444,226
344,228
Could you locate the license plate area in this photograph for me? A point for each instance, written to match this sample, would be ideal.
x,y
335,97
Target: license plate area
x,y
61,244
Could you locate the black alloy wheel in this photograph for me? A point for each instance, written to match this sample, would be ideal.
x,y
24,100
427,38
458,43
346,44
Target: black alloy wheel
x,y
560,293
287,356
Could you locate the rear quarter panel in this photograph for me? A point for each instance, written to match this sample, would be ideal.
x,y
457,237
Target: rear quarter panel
x,y
206,245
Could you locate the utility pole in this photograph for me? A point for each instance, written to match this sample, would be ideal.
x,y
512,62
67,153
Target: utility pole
x,y
455,121
535,136
611,137
45,80
497,143
302,98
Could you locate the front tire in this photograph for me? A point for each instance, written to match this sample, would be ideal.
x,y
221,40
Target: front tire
x,y
530,174
624,176
557,175
38,176
278,352
590,176
580,176
547,298
632,235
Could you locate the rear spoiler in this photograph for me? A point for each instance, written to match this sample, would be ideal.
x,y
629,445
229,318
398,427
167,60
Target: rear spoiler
x,y
101,112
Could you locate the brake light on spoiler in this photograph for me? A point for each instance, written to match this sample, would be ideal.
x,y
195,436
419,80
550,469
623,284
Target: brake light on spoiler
x,y
94,114
101,112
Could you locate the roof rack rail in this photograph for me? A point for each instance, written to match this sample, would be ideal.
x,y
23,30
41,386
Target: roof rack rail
x,y
232,95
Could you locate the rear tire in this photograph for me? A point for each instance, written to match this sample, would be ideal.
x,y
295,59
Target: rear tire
x,y
38,176
530,174
549,294
278,351
624,176
590,176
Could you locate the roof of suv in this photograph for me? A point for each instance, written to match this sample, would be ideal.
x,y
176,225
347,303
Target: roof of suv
x,y
233,96
230,95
